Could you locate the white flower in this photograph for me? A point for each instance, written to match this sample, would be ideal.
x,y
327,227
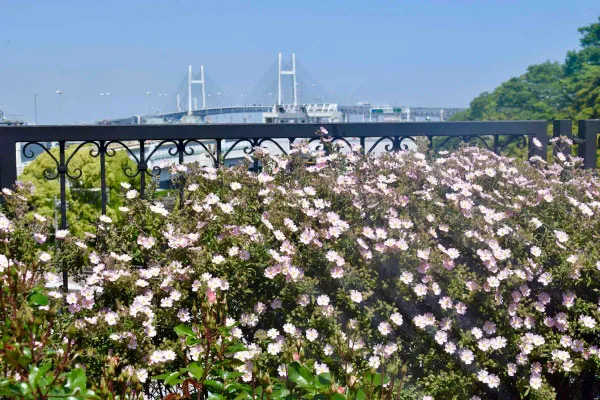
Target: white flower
x,y
561,236
396,318
311,335
227,208
235,185
289,329
160,356
356,296
535,381
536,251
52,280
106,219
3,262
406,277
142,375
587,321
111,318
274,348
159,208
146,242
374,362
321,368
44,257
61,233
323,300
39,217
384,328
466,356
218,259
125,185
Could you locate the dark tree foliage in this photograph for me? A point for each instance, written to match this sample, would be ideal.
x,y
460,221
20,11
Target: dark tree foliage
x,y
549,90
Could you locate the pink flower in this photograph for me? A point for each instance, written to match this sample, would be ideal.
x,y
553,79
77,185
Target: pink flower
x,y
212,296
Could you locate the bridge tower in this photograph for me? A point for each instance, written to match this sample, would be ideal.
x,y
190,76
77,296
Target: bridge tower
x,y
287,72
191,82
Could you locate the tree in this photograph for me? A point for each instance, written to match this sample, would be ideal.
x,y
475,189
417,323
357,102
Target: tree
x,y
586,88
537,94
83,195
590,52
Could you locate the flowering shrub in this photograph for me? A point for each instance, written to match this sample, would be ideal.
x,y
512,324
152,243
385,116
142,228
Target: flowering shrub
x,y
470,275
36,349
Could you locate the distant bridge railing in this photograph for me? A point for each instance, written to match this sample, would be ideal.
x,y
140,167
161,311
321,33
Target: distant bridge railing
x,y
217,141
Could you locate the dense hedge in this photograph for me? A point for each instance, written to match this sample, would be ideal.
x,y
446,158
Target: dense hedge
x,y
328,276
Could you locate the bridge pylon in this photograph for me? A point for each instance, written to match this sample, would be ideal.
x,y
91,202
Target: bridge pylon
x,y
287,72
192,81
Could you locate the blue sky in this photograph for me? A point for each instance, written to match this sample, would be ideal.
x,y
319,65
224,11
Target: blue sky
x,y
417,53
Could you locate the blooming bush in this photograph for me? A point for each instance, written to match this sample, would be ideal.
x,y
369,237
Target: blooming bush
x,y
469,275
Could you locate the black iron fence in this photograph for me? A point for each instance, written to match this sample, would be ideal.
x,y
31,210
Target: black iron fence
x,y
217,142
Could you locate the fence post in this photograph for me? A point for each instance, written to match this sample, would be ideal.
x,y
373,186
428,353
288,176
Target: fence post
x,y
588,131
62,176
562,127
541,134
8,163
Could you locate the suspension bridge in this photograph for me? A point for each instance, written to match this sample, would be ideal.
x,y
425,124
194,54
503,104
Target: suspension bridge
x,y
286,93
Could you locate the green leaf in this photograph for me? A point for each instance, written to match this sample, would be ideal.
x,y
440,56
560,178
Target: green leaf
x,y
299,374
27,352
375,379
34,376
227,375
160,377
243,395
323,380
214,384
37,299
23,388
76,380
184,330
236,348
280,393
337,396
234,386
196,370
173,379
360,395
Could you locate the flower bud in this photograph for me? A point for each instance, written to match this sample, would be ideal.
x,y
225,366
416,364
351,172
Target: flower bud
x,y
72,331
404,370
353,381
266,379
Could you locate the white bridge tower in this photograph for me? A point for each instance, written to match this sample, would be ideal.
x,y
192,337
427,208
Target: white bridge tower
x,y
287,72
191,82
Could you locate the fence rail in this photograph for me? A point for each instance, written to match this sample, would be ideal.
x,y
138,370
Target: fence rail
x,y
180,141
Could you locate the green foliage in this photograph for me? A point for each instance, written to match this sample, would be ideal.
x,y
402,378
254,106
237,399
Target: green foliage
x,y
549,90
83,195
326,276
36,345
586,88
537,94
590,52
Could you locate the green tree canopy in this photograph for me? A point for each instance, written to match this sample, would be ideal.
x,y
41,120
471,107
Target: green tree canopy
x,y
83,194
590,52
549,90
586,87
